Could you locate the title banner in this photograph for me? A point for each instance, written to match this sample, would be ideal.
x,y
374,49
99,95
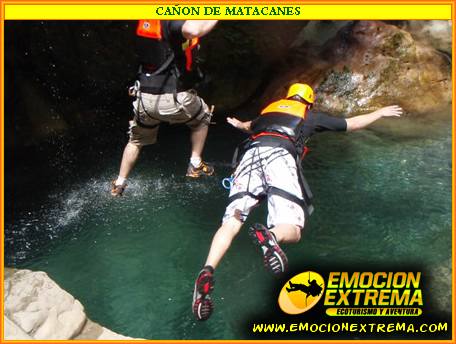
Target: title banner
x,y
231,11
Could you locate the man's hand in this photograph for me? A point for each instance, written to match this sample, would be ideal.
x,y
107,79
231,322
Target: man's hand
x,y
197,28
362,121
235,122
245,126
390,111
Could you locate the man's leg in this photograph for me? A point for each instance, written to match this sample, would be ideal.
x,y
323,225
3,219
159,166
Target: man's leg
x,y
199,127
222,241
235,214
286,220
197,166
286,233
202,303
139,137
129,158
274,259
198,137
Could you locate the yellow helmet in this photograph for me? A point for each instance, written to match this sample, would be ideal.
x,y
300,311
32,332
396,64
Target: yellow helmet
x,y
303,90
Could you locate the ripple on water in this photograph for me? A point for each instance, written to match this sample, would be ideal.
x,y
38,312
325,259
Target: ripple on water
x,y
67,210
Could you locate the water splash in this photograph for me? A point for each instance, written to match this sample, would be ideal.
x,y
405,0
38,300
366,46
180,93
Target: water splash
x,y
65,211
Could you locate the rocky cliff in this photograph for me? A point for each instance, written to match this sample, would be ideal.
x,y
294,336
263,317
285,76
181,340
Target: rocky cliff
x,y
369,64
37,308
67,78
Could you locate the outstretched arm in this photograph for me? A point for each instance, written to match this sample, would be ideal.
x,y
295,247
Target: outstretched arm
x,y
244,126
197,28
362,121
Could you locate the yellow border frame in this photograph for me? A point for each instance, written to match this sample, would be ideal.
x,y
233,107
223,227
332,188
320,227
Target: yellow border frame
x,y
310,11
61,9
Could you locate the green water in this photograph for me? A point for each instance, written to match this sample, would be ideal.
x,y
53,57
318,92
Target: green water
x,y
381,197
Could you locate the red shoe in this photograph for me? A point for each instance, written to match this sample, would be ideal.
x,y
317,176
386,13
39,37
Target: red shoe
x,y
202,304
274,259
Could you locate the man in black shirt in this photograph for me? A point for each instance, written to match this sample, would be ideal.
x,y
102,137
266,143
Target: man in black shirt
x,y
164,91
270,168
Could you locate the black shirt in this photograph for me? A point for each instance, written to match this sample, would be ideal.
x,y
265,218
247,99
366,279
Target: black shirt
x,y
317,122
314,122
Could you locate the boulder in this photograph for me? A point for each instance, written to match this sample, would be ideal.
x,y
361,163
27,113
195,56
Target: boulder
x,y
434,32
440,285
56,89
37,308
370,64
14,332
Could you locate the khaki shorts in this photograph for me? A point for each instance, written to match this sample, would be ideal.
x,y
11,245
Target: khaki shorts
x,y
151,109
260,168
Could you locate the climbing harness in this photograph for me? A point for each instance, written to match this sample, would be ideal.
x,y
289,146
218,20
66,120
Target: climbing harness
x,y
135,91
254,165
277,127
177,68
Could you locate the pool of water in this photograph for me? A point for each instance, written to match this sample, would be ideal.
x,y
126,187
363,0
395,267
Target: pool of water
x,y
381,197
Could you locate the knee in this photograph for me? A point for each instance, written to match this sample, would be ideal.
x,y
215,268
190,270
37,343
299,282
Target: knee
x,y
294,235
199,126
232,226
134,146
297,233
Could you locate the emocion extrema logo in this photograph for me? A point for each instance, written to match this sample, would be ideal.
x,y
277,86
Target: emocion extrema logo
x,y
301,292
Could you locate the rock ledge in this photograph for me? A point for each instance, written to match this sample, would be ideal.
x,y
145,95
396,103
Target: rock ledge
x,y
37,308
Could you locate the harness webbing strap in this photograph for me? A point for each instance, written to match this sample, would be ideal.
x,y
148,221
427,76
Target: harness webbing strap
x,y
263,140
245,193
304,185
265,133
287,144
239,152
162,68
303,203
272,190
142,125
197,113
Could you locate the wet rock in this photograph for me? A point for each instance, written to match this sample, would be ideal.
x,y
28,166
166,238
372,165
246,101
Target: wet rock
x,y
370,64
318,32
14,332
440,285
92,330
238,57
37,308
61,89
434,32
